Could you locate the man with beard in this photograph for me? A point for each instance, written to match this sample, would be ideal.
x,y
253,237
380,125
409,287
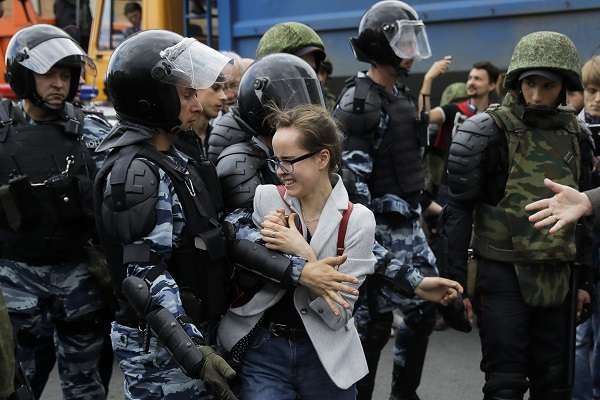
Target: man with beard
x,y
481,83
47,166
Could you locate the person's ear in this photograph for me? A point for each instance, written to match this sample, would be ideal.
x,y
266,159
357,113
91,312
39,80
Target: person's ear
x,y
324,159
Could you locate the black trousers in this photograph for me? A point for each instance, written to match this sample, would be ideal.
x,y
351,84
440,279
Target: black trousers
x,y
523,346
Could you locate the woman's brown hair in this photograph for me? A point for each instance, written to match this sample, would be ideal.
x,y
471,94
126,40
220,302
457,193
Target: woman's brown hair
x,y
318,128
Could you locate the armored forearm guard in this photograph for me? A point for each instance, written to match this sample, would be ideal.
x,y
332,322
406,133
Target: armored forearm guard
x,y
261,261
164,326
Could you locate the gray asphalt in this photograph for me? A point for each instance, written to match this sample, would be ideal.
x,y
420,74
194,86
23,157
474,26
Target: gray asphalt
x,y
451,371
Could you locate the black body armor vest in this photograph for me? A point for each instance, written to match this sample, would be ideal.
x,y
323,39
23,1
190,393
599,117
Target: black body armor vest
x,y
396,141
397,165
46,175
199,264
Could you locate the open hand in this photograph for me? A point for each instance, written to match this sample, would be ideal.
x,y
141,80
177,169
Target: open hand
x,y
564,208
322,279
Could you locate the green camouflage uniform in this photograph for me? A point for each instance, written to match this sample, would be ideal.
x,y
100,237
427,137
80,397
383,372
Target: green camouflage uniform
x,y
503,232
497,165
539,146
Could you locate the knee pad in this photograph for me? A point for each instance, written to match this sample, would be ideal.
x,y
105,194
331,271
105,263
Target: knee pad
x,y
505,386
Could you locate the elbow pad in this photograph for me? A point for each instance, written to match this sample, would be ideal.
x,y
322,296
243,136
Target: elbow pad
x,y
261,261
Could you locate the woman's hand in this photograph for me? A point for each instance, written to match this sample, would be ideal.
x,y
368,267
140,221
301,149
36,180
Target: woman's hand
x,y
286,239
278,217
322,279
438,290
566,207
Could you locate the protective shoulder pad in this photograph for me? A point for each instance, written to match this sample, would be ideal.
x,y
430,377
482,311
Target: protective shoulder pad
x,y
465,172
129,200
238,168
359,109
226,131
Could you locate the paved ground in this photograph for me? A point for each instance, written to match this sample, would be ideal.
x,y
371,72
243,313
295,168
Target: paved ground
x,y
451,371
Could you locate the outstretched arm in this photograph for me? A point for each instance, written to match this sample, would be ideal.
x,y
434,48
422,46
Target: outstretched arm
x,y
566,207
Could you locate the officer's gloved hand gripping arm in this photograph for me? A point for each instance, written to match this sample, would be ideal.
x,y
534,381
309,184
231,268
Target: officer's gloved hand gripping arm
x,y
147,285
197,360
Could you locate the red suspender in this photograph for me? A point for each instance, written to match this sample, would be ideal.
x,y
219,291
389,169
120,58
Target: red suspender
x,y
343,228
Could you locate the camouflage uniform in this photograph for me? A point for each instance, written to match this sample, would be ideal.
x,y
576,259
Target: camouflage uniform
x,y
154,374
497,163
59,304
400,232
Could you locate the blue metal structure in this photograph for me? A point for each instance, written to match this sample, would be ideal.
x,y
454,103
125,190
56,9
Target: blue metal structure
x,y
469,30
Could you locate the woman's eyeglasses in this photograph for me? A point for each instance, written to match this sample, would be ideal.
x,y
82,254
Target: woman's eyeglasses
x,y
287,166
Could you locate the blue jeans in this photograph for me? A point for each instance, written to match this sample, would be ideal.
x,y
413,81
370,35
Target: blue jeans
x,y
276,368
587,355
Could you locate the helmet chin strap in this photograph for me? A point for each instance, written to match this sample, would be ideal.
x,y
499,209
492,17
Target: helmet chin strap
x,y
38,102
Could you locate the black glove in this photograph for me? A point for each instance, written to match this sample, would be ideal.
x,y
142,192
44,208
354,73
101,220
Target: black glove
x,y
216,372
455,315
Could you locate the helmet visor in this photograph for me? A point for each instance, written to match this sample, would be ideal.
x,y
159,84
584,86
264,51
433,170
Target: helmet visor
x,y
41,58
408,39
190,64
289,93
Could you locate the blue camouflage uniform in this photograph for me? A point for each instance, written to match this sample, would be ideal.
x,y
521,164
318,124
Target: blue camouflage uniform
x,y
152,373
399,231
59,305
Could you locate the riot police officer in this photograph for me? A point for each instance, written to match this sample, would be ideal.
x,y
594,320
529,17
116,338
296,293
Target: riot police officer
x,y
46,220
158,214
383,140
497,163
288,37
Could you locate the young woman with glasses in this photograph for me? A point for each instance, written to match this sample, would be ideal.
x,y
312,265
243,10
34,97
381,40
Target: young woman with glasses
x,y
303,344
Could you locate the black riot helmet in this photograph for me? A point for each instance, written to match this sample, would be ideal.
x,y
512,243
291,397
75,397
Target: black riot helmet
x,y
280,80
36,49
145,69
389,32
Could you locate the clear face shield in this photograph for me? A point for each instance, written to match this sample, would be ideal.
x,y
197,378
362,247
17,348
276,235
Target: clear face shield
x,y
290,92
408,39
41,58
191,64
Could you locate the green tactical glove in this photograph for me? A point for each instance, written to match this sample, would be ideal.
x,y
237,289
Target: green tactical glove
x,y
216,372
